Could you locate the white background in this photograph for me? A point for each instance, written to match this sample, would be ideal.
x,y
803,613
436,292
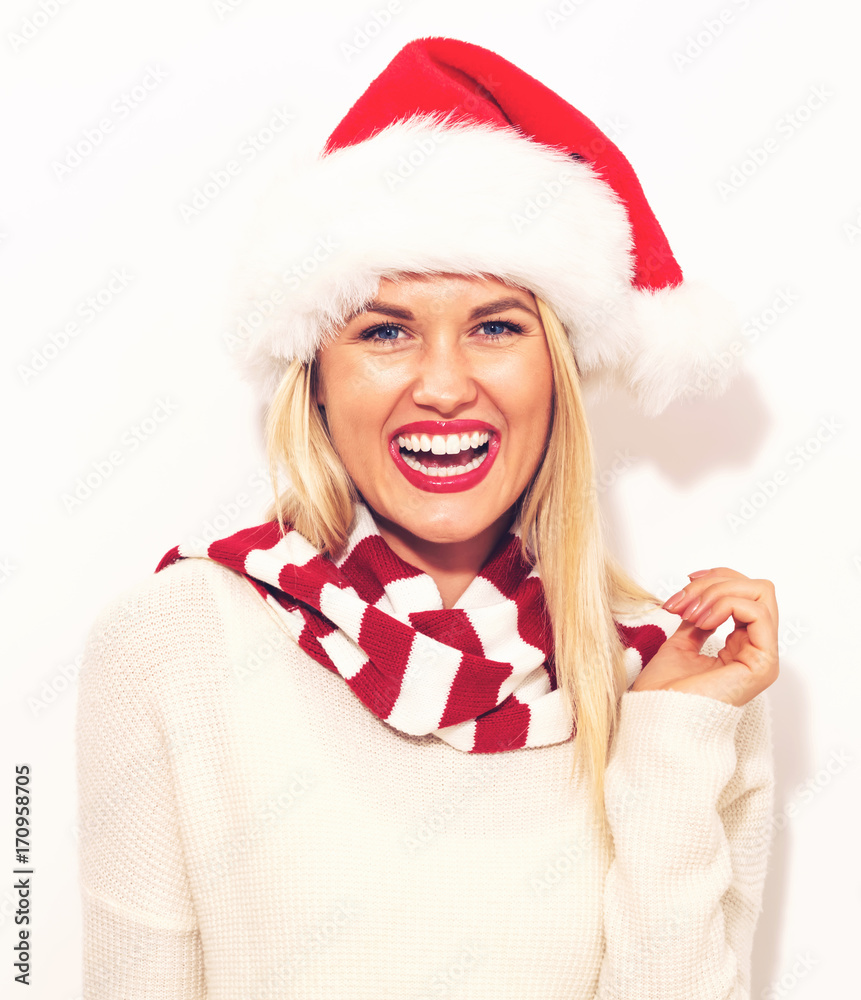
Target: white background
x,y
687,104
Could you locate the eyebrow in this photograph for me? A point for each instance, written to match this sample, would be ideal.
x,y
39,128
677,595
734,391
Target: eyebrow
x,y
397,312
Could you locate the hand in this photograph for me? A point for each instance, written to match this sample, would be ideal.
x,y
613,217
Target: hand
x,y
748,662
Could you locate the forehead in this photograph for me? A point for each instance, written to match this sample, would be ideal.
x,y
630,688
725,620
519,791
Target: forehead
x,y
448,288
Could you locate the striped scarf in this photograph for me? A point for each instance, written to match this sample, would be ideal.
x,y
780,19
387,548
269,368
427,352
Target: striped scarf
x,y
479,676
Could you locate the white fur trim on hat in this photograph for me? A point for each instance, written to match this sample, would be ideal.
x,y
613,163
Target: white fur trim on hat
x,y
428,195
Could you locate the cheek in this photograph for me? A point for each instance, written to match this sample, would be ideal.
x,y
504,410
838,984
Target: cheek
x,y
526,400
532,420
541,386
358,401
356,376
534,417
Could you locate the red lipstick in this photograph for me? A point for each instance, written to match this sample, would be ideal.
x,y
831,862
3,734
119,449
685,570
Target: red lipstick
x,y
445,484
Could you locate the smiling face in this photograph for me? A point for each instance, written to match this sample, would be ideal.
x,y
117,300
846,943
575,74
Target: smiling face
x,y
439,373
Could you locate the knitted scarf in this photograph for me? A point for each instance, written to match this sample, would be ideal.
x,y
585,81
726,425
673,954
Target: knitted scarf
x,y
479,676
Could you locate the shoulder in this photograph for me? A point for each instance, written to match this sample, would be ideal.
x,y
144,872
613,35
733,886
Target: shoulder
x,y
171,598
190,608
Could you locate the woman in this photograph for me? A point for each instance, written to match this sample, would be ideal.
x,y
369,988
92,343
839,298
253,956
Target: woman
x,y
441,745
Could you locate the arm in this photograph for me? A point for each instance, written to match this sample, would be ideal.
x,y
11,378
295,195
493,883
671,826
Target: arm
x,y
689,795
139,927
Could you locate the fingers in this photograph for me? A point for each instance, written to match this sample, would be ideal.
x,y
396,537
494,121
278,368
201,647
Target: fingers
x,y
721,570
748,661
693,590
688,638
707,586
753,615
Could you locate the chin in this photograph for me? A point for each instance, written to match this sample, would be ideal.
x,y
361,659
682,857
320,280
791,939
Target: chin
x,y
442,520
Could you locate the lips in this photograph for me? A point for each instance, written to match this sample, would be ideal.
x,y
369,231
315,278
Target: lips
x,y
444,427
433,482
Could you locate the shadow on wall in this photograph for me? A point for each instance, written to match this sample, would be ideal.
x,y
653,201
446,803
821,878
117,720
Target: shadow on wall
x,y
688,441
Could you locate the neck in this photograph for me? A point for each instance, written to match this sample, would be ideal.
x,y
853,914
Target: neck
x,y
451,565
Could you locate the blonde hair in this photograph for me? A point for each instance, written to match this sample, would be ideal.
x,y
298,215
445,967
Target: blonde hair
x,y
561,532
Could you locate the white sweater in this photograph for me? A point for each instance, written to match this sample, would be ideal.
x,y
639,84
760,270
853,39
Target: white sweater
x,y
250,831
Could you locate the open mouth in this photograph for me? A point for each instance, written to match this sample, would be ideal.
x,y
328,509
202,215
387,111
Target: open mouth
x,y
444,455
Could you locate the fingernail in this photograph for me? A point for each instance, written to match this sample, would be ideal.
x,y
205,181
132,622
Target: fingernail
x,y
703,614
671,601
688,612
699,572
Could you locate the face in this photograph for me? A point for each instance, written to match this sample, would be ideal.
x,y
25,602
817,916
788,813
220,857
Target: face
x,y
440,373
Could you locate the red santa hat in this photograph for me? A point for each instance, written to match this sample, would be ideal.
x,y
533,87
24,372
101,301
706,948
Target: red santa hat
x,y
454,160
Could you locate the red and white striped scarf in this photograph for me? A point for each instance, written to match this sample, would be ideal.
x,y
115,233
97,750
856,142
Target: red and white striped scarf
x,y
479,676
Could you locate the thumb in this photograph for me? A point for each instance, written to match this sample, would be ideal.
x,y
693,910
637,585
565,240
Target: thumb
x,y
688,637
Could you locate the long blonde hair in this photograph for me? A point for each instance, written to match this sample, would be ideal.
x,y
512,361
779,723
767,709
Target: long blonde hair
x,y
561,532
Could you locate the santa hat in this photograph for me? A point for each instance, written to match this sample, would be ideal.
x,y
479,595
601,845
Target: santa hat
x,y
454,160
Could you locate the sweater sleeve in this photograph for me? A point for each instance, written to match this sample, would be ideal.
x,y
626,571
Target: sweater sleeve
x,y
140,936
689,796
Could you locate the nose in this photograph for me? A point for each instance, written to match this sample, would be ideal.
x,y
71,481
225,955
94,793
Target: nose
x,y
444,380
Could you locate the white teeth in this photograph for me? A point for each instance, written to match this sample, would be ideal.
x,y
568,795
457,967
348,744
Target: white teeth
x,y
444,471
443,444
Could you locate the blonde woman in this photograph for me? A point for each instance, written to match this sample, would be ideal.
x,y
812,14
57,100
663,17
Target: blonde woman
x,y
416,734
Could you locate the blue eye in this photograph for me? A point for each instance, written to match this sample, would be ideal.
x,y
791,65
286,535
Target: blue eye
x,y
497,329
387,333
385,328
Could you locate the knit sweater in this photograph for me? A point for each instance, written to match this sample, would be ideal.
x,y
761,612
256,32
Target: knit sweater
x,y
251,831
